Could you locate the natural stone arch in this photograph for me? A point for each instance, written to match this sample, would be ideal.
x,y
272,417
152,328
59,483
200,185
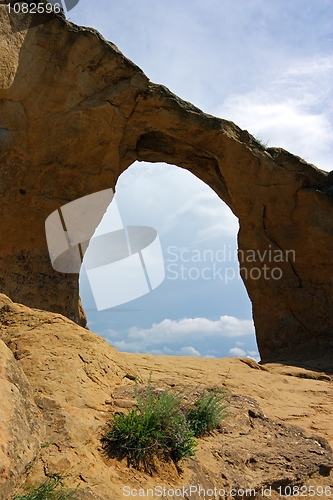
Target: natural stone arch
x,y
75,113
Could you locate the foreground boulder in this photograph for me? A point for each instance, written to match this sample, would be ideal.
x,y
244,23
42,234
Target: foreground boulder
x,y
72,373
22,426
74,109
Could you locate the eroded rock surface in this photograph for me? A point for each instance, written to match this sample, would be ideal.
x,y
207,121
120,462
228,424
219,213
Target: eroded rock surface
x,y
261,452
77,379
72,373
75,113
22,426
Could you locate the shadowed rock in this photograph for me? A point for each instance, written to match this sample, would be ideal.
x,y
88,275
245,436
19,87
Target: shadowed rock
x,y
22,427
75,113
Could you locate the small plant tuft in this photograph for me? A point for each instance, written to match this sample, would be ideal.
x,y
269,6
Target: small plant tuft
x,y
261,142
51,488
155,428
160,426
207,413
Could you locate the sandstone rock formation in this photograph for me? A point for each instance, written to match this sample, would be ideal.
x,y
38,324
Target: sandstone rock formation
x,y
72,373
75,113
22,426
77,378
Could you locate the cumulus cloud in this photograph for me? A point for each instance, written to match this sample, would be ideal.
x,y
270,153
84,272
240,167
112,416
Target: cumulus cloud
x,y
241,353
183,351
169,333
293,112
236,351
189,351
172,330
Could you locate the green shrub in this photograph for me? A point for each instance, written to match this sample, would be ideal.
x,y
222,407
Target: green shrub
x,y
177,439
51,488
160,427
207,412
165,405
157,427
137,436
181,439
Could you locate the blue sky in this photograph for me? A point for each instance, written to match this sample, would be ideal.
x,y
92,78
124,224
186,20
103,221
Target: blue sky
x,y
264,64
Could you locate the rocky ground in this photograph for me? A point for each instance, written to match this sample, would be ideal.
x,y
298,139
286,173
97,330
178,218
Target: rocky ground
x,y
60,382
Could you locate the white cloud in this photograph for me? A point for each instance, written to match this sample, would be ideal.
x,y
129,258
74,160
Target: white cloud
x,y
186,351
254,355
189,351
241,353
171,332
237,352
293,112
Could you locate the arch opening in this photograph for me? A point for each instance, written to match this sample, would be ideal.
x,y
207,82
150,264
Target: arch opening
x,y
201,308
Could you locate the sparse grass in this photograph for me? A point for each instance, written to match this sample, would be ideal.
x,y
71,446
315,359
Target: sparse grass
x,y
51,488
261,142
158,427
166,406
207,413
155,428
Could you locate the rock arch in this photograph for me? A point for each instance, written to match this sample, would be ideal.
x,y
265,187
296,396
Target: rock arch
x,y
75,113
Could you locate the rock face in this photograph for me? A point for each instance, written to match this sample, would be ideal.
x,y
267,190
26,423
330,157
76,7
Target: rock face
x,y
72,373
76,379
75,113
256,453
22,426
